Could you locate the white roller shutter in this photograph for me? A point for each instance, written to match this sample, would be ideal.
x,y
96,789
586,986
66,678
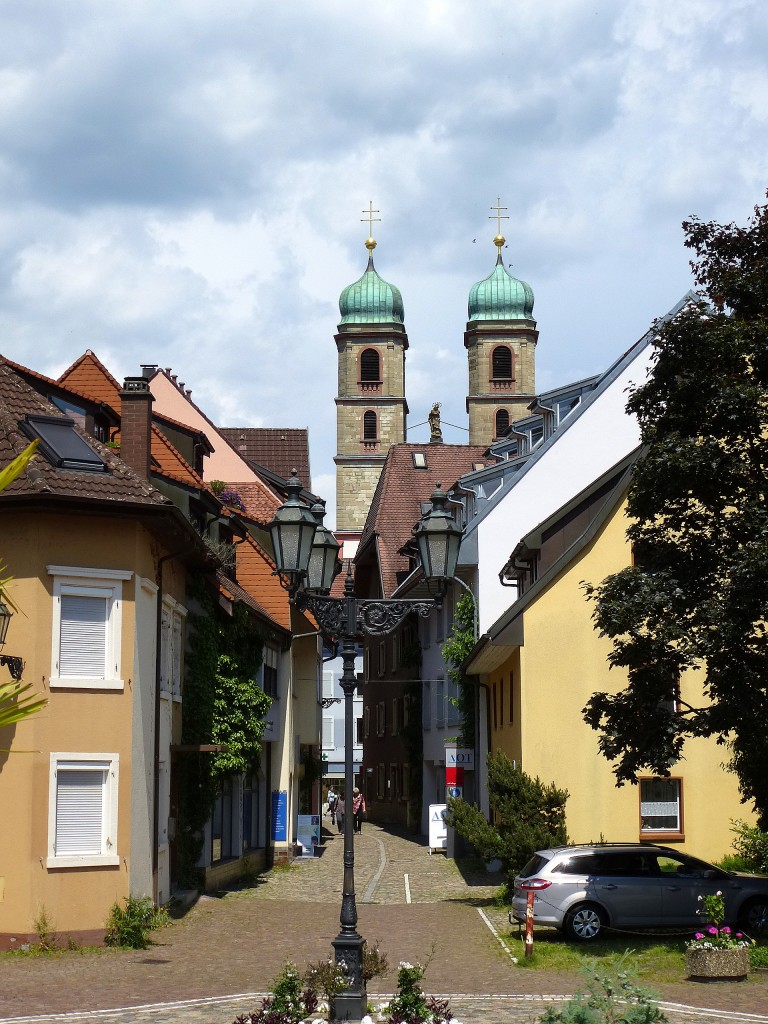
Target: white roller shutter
x,y
80,810
83,638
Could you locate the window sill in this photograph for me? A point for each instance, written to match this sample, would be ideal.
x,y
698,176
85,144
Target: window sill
x,y
659,837
84,683
84,861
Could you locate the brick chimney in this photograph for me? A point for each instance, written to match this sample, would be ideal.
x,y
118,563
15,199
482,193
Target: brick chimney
x,y
136,424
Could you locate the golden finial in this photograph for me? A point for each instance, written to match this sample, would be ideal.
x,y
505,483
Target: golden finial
x,y
498,216
370,243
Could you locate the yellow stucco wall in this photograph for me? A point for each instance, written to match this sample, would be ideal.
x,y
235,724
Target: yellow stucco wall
x,y
562,663
75,721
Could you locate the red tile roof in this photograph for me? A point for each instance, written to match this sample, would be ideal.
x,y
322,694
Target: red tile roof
x,y
120,485
279,449
91,377
259,502
396,505
255,575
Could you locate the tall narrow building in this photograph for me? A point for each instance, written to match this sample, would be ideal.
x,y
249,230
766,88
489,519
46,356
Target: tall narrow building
x,y
501,341
370,405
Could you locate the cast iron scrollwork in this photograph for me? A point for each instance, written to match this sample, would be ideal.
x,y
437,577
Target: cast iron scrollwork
x,y
377,618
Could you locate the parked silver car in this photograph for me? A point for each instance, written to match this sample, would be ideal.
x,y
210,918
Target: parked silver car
x,y
586,889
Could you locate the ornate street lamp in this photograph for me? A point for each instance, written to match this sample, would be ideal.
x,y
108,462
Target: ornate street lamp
x,y
15,665
293,530
346,620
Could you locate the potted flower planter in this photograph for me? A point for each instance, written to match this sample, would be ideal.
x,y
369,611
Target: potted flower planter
x,y
717,963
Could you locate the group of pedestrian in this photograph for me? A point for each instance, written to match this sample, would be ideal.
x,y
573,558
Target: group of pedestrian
x,y
337,808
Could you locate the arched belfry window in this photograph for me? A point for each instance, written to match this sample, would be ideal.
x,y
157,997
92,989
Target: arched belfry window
x,y
502,363
370,366
369,426
502,422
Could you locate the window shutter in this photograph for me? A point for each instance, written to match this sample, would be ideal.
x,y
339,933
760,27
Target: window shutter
x,y
83,640
79,810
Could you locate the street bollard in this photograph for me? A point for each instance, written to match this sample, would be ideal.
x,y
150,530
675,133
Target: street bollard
x,y
529,924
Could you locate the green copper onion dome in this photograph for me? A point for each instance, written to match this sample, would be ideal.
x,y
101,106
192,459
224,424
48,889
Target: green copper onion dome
x,y
371,300
500,296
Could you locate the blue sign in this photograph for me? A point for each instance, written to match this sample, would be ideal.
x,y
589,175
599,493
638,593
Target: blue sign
x,y
279,816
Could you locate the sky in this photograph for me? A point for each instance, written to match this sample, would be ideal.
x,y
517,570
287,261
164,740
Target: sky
x,y
183,183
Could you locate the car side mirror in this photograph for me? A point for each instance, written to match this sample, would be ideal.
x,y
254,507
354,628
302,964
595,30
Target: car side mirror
x,y
711,873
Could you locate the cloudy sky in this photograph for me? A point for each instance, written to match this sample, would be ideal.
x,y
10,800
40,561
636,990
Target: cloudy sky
x,y
183,182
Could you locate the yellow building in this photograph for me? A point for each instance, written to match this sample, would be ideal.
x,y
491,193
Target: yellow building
x,y
98,559
543,659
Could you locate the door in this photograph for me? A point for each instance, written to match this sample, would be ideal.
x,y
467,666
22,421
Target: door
x,y
684,880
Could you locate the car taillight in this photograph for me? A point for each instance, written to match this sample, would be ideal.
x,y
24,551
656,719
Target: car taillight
x,y
534,884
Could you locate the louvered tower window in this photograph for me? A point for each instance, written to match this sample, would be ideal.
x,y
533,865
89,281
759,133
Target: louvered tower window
x,y
502,363
370,366
502,422
369,426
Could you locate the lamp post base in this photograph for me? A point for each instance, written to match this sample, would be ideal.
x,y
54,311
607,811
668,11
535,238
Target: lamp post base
x,y
351,1005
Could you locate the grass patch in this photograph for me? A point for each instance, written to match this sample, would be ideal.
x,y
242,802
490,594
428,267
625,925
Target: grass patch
x,y
652,958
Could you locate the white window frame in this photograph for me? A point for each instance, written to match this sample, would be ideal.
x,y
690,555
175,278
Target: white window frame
x,y
62,761
329,742
81,581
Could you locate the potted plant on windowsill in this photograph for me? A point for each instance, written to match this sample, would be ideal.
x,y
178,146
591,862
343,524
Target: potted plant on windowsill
x,y
717,952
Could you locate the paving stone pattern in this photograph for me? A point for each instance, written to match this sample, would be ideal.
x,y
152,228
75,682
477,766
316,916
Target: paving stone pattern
x,y
220,959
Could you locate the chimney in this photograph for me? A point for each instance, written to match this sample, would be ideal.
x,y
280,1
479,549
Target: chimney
x,y
136,424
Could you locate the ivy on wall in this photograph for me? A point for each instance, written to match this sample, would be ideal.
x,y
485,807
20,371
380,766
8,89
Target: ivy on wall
x,y
223,703
456,649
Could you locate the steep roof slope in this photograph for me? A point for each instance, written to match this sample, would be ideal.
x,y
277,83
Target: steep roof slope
x,y
279,449
397,501
118,485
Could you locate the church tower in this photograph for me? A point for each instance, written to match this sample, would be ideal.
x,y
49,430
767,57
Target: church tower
x,y
370,405
501,341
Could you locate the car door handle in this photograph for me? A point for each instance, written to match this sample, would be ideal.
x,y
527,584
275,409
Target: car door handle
x,y
673,888
609,887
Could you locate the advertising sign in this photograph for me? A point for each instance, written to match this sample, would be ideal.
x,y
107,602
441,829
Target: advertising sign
x,y
459,757
308,832
438,831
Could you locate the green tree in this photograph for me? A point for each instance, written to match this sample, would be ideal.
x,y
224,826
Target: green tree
x,y
456,650
526,815
697,596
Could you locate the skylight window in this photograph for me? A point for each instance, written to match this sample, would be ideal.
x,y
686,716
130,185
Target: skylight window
x,y
419,460
62,445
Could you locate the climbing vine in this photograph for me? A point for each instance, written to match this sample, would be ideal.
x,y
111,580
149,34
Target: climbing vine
x,y
456,649
223,703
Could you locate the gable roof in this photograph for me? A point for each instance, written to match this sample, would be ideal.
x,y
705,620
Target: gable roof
x,y
497,643
277,449
90,376
119,486
510,472
397,501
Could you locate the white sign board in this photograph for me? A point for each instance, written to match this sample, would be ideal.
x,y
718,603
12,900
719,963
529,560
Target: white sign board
x,y
308,833
438,830
459,757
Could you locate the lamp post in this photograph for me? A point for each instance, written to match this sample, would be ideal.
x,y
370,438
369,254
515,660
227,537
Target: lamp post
x,y
15,665
346,620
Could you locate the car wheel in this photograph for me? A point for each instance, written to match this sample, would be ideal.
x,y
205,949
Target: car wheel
x,y
753,916
585,922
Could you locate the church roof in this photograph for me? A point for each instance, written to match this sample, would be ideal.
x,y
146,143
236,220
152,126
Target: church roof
x,y
500,296
371,300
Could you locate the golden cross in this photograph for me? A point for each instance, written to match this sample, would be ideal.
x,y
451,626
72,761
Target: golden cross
x,y
370,218
498,216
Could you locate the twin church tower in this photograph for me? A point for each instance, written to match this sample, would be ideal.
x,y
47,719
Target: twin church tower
x,y
371,407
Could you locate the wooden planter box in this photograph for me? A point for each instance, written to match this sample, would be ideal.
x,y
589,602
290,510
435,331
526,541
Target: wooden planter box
x,y
717,963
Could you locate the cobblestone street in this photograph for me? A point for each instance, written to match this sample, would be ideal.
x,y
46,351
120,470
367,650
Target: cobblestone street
x,y
221,957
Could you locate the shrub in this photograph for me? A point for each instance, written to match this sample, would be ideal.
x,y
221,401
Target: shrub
x,y
129,926
612,997
289,1003
526,814
410,1005
751,845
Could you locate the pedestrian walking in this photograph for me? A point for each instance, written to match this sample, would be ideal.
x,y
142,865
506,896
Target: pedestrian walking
x,y
340,812
332,801
358,808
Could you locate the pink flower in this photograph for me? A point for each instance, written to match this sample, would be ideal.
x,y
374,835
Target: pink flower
x,y
739,935
726,930
712,930
698,935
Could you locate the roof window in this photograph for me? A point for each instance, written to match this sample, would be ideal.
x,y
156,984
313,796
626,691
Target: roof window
x,y
419,460
62,445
